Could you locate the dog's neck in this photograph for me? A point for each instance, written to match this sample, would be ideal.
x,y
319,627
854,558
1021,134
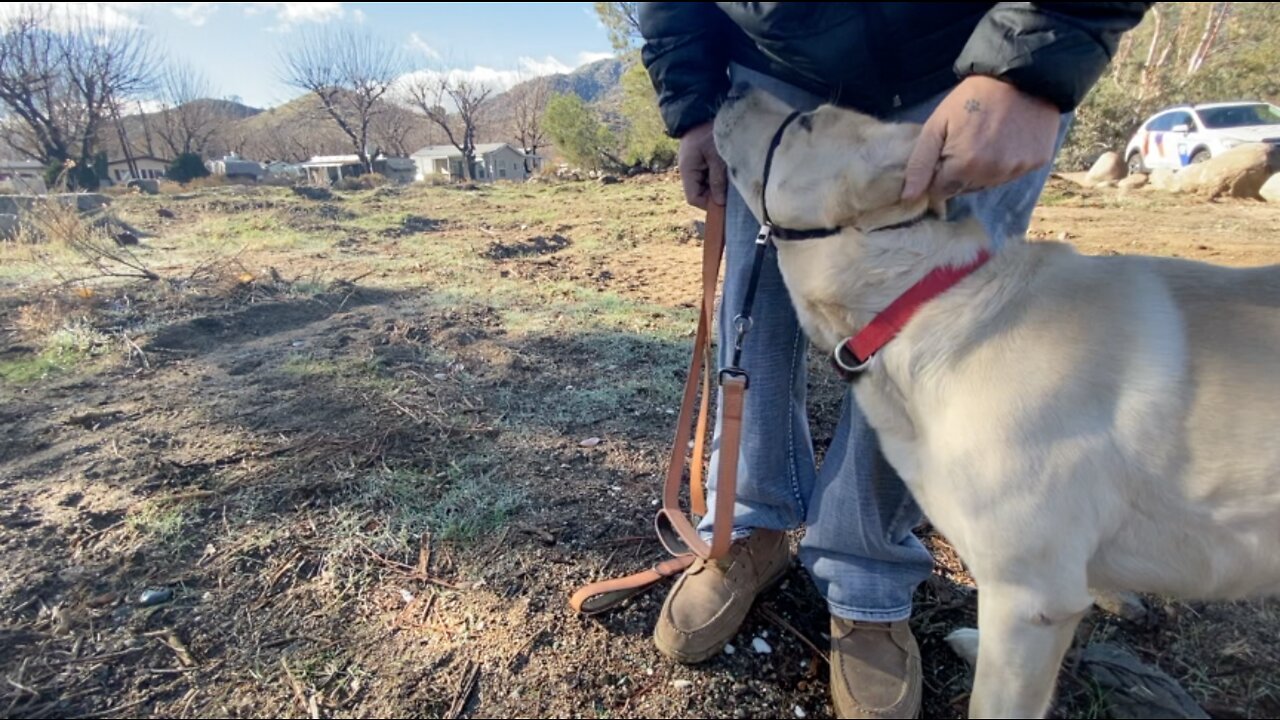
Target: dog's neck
x,y
899,257
842,283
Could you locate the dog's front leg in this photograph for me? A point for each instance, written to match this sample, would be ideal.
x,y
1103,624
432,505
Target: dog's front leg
x,y
1024,635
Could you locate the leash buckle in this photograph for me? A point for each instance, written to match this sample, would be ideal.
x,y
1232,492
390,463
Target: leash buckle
x,y
736,372
766,232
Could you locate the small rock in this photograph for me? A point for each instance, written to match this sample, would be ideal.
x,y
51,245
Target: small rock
x,y
125,238
761,647
728,649
406,596
681,684
155,596
799,712
590,442
1133,182
1124,605
165,213
609,180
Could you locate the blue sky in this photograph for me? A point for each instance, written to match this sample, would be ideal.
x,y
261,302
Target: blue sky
x,y
237,44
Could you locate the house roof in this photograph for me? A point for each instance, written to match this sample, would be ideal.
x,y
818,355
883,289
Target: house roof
x,y
352,159
136,158
449,151
332,160
21,165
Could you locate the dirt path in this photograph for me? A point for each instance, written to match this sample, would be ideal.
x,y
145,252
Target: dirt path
x,y
345,450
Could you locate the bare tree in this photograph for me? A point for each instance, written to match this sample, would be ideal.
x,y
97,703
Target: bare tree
x,y
188,120
430,93
349,71
60,76
528,105
395,129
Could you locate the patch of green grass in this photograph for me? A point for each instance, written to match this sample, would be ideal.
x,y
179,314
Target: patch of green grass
x,y
473,506
300,366
157,523
67,348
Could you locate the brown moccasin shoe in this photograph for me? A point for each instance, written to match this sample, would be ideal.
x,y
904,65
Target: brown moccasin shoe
x,y
875,670
708,603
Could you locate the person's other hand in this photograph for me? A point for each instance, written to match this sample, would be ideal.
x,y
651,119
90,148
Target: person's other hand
x,y
985,133
702,171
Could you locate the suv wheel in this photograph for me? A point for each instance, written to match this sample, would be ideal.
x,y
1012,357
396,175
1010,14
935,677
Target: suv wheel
x,y
1135,163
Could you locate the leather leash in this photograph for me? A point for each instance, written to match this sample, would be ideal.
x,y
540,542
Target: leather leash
x,y
677,534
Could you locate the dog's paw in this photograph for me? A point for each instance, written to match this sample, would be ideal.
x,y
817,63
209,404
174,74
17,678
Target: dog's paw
x,y
964,642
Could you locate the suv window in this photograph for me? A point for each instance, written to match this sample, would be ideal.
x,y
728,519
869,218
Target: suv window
x,y
1182,118
1161,123
1240,116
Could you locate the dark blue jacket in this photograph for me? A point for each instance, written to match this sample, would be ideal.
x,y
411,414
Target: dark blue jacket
x,y
876,56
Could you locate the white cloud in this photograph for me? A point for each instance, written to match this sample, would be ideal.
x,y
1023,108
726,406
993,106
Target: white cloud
x,y
358,16
586,57
289,14
66,14
417,43
196,13
546,66
501,80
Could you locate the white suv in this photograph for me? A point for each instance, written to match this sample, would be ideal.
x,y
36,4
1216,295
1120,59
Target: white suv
x,y
1179,136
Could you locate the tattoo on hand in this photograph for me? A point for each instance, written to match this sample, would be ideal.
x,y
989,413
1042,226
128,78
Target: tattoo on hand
x,y
973,106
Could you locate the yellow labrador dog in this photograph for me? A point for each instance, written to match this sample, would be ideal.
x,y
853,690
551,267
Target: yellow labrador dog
x,y
1068,422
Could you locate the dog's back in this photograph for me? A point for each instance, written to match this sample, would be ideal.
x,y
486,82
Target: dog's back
x,y
1207,526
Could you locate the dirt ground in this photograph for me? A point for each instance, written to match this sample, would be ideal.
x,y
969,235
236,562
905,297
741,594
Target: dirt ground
x,y
350,455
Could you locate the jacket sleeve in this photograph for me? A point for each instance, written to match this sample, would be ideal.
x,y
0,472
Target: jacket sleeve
x,y
1056,51
685,51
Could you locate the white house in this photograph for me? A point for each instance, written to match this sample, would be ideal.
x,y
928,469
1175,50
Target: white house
x,y
494,161
149,168
328,169
234,166
22,176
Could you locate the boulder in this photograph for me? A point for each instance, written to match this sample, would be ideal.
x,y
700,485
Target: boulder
x,y
1133,182
1110,166
609,180
1271,189
1163,179
1079,178
1239,172
92,202
146,185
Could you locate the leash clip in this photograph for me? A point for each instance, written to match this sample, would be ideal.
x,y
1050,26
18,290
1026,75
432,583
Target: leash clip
x,y
766,232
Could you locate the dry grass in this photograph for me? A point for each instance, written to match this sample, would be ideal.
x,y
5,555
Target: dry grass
x,y
345,433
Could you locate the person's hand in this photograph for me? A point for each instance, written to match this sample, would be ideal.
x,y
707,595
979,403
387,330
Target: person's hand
x,y
702,171
985,133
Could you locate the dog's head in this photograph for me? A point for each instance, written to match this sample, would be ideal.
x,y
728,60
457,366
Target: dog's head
x,y
833,167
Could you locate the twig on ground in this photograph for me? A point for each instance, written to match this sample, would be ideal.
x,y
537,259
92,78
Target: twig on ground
x,y
469,678
785,626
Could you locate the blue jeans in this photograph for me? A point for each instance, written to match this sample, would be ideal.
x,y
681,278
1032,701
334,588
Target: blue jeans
x,y
859,546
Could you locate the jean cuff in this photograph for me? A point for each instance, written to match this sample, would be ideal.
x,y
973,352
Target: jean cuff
x,y
862,615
